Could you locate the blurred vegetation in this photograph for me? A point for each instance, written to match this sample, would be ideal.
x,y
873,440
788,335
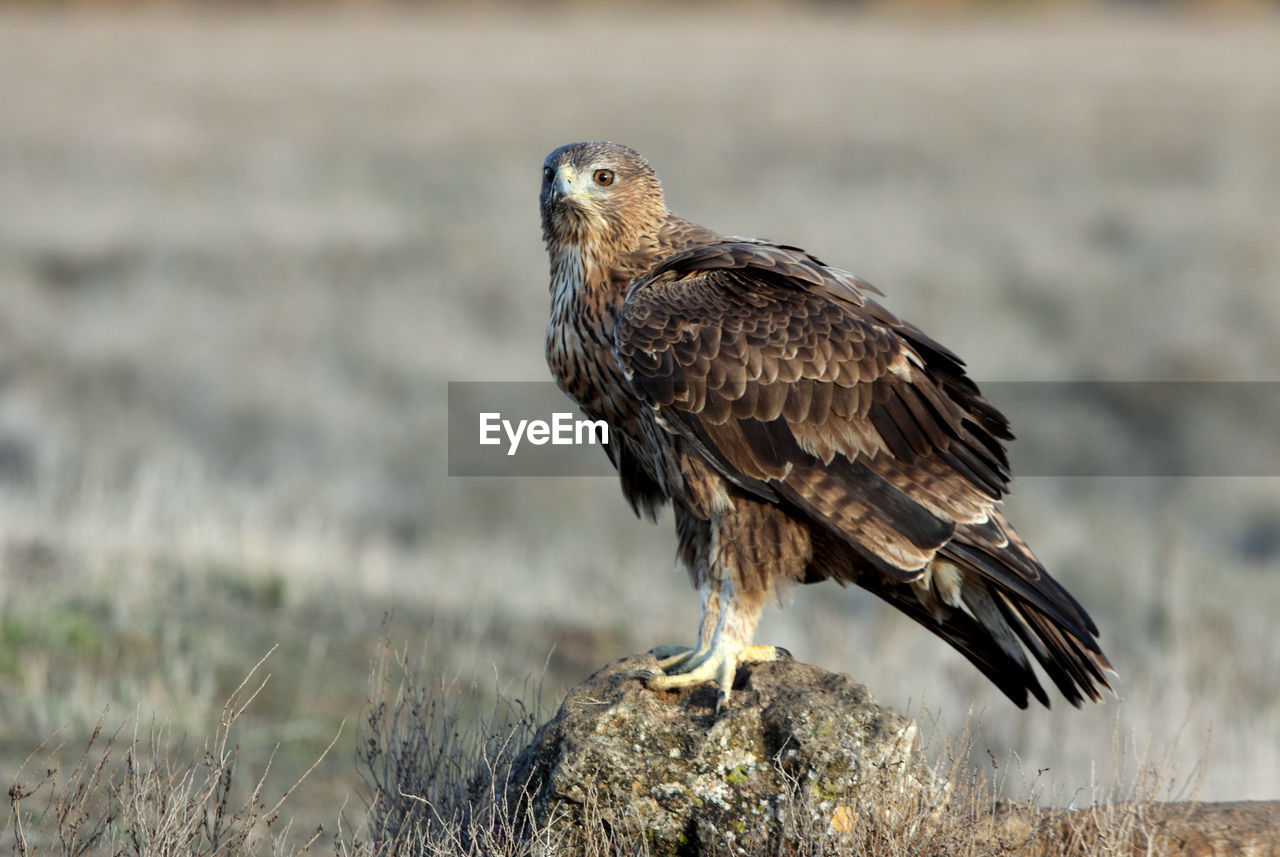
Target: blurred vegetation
x,y
243,255
437,775
657,6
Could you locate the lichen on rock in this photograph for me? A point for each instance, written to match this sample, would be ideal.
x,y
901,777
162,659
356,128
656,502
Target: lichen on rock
x,y
797,749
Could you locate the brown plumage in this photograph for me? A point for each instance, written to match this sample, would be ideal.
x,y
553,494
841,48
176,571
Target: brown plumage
x,y
800,430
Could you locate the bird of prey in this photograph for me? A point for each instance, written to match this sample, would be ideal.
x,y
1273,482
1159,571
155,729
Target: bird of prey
x,y
800,431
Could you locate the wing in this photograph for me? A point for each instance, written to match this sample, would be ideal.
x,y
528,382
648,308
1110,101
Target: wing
x,y
797,387
801,390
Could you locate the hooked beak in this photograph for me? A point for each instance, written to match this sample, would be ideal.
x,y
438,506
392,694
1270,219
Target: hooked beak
x,y
566,185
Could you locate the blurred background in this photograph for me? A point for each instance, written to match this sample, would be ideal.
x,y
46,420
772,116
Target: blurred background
x,y
243,250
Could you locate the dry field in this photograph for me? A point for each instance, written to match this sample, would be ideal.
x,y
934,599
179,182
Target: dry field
x,y
241,257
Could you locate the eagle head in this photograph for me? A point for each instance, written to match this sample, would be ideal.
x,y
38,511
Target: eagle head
x,y
599,195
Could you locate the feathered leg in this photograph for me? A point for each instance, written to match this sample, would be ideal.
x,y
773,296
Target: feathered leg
x,y
672,658
725,628
738,558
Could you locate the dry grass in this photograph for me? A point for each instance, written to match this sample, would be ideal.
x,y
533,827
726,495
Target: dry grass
x,y
243,255
436,774
437,781
147,796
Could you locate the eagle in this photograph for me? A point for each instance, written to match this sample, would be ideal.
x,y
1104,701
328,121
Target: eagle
x,y
800,431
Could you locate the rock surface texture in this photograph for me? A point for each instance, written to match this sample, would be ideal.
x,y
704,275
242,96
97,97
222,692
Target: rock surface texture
x,y
798,751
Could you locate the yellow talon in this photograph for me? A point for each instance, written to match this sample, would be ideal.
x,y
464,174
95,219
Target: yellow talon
x,y
763,654
718,666
672,657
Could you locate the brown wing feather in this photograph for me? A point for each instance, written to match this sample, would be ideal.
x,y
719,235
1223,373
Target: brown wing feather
x,y
778,369
800,390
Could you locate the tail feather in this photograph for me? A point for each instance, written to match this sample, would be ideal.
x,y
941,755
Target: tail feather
x,y
992,600
1031,606
1008,669
988,596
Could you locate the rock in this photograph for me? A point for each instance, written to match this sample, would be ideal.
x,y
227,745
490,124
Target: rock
x,y
1181,829
798,750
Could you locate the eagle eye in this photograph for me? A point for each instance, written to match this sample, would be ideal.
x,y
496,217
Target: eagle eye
x,y
604,178
548,174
